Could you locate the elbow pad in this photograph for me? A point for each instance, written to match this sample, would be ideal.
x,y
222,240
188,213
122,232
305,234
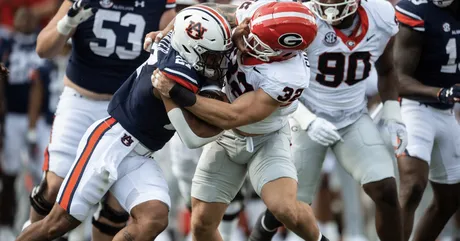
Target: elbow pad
x,y
303,117
190,139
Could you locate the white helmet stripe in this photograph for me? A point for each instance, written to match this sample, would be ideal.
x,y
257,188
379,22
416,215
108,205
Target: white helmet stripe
x,y
283,15
225,27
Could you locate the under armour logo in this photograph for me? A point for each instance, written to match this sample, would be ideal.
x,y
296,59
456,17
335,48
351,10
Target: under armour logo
x,y
127,140
139,4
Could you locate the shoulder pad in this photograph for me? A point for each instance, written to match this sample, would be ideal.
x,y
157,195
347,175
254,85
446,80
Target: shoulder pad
x,y
384,14
178,69
411,13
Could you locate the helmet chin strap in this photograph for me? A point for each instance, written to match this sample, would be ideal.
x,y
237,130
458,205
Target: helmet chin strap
x,y
330,13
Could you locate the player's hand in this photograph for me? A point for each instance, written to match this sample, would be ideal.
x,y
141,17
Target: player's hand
x,y
150,37
398,135
393,128
79,12
323,132
449,95
32,144
237,37
162,83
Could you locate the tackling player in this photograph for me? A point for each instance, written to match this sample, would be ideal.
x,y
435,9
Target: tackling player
x,y
262,86
106,49
114,154
354,45
426,53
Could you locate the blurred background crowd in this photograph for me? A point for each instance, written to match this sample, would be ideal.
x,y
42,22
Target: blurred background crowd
x,y
28,99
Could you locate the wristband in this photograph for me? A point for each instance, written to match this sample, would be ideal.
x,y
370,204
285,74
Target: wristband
x,y
63,26
182,96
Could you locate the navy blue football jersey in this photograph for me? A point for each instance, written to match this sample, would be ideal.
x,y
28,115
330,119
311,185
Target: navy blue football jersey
x,y
108,47
18,54
439,63
135,106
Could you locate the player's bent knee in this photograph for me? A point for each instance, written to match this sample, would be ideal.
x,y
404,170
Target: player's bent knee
x,y
283,211
151,217
383,192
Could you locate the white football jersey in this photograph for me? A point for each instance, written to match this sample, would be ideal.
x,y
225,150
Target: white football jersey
x,y
284,81
341,64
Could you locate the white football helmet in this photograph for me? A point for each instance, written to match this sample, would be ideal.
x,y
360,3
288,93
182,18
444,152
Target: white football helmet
x,y
333,12
203,37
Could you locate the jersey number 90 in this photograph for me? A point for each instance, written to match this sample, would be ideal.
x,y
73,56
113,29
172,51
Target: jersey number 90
x,y
109,36
332,65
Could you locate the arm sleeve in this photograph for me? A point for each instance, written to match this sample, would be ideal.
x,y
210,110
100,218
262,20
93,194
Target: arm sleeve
x,y
411,15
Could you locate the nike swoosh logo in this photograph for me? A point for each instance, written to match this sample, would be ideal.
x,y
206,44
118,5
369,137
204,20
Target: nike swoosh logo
x,y
369,38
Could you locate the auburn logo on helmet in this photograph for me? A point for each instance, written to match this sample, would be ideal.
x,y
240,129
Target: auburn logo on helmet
x,y
290,40
195,30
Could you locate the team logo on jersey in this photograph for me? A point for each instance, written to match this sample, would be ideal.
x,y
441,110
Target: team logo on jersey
x,y
139,4
106,3
330,39
127,140
195,30
290,40
351,43
446,27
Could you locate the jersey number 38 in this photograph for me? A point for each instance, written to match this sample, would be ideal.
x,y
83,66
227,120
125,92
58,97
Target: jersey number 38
x,y
107,37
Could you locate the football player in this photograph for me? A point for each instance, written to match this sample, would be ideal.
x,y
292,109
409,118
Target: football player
x,y
354,45
262,86
426,53
18,53
114,154
106,49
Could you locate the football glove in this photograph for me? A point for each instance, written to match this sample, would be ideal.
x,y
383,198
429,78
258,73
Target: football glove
x,y
449,95
323,132
79,12
392,127
318,129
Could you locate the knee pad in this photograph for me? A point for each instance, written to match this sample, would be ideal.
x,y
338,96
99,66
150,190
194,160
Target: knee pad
x,y
269,221
104,210
38,201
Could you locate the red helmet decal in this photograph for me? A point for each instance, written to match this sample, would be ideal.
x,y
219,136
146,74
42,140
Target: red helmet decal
x,y
290,40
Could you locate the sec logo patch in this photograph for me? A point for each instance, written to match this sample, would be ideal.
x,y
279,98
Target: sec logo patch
x,y
330,39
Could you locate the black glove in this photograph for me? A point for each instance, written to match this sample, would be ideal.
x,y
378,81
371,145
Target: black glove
x,y
449,95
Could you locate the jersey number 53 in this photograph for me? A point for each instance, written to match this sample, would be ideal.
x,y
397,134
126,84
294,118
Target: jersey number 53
x,y
109,36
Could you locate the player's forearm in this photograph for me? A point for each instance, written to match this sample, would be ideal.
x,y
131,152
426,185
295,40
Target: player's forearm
x,y
50,43
216,113
410,88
